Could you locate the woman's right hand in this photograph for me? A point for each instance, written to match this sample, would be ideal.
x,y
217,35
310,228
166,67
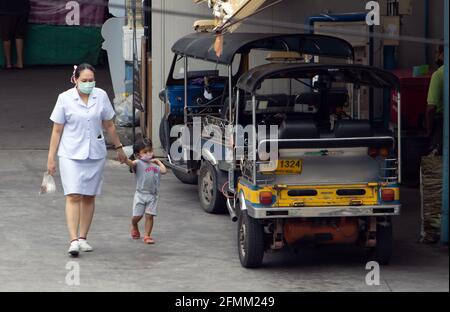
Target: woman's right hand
x,y
51,167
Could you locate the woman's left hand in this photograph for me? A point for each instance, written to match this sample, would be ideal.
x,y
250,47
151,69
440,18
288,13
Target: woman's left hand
x,y
121,156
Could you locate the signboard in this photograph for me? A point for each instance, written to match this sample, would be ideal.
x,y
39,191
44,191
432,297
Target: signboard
x,y
68,13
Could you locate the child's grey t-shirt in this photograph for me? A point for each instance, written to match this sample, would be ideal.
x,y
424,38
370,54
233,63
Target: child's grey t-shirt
x,y
148,177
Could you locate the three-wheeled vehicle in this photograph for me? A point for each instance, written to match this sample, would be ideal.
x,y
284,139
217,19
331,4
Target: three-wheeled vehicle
x,y
333,178
331,174
197,92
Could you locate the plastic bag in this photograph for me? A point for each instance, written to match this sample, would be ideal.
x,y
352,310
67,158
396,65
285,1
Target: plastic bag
x,y
123,106
48,185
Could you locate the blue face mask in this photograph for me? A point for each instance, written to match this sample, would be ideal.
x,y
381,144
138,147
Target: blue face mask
x,y
86,87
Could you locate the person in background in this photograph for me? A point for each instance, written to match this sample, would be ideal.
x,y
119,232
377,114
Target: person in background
x,y
434,116
13,27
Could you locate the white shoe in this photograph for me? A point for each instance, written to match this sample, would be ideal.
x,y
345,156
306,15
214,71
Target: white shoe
x,y
74,249
84,246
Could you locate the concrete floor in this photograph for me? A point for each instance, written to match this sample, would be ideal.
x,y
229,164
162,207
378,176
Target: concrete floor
x,y
194,251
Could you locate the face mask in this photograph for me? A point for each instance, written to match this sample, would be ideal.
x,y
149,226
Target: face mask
x,y
86,87
146,158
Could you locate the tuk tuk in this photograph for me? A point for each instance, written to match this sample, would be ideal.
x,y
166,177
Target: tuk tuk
x,y
332,172
331,178
196,96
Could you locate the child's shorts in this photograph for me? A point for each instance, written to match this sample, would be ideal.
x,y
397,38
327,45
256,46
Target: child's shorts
x,y
145,204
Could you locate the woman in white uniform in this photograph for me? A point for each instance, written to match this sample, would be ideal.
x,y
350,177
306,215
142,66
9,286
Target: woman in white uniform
x,y
79,117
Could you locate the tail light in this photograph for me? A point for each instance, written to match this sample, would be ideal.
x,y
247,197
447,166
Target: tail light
x,y
388,195
374,152
384,152
266,198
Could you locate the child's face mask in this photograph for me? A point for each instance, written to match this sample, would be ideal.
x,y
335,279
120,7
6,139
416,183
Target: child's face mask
x,y
147,157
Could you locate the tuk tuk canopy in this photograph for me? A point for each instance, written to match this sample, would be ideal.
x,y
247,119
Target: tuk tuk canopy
x,y
357,74
201,45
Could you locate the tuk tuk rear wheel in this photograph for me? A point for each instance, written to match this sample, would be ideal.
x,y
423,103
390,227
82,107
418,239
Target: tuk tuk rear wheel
x,y
250,239
383,248
211,199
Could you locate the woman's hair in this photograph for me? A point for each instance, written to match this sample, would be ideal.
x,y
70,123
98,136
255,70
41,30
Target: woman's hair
x,y
78,69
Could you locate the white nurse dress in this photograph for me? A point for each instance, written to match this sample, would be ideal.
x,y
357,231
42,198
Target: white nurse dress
x,y
82,149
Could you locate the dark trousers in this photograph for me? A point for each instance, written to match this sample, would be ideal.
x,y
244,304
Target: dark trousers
x,y
437,134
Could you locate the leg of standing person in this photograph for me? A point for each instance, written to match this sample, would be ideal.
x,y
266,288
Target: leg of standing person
x,y
86,215
19,48
7,52
73,206
135,222
148,229
20,34
5,29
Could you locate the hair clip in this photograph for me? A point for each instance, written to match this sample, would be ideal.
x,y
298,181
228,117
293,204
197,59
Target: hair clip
x,y
72,79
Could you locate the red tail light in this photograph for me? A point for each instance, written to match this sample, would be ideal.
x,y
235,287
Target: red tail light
x,y
384,152
373,152
265,198
388,195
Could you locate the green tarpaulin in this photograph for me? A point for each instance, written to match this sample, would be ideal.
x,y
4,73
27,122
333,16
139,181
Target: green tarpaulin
x,y
61,45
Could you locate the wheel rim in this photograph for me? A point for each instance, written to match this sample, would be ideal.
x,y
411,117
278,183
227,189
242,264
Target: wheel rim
x,y
207,188
242,236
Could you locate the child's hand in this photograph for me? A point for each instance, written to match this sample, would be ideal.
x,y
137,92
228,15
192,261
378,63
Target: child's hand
x,y
158,162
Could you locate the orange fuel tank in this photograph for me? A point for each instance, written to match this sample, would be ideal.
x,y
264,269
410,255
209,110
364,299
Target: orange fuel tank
x,y
323,231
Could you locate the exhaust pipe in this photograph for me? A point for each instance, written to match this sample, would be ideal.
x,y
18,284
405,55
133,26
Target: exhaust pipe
x,y
233,215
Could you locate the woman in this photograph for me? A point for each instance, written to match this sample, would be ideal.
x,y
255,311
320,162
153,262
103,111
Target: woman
x,y
13,27
77,138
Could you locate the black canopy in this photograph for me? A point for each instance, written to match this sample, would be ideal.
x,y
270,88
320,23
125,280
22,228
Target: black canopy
x,y
201,45
357,74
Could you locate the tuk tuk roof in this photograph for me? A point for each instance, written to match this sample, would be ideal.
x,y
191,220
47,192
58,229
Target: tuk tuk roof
x,y
201,45
350,73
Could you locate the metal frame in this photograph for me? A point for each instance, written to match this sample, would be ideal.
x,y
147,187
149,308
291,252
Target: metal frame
x,y
321,212
399,137
388,165
445,167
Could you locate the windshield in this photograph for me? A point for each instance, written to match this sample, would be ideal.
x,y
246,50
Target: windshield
x,y
200,68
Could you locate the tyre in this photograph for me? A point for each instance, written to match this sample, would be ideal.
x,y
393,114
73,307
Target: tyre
x,y
163,131
250,239
383,248
187,178
211,199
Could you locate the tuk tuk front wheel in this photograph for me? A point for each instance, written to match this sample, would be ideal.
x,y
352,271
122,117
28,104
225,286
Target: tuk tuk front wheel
x,y
187,178
211,199
250,239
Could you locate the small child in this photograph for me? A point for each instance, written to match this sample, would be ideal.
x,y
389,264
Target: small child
x,y
148,173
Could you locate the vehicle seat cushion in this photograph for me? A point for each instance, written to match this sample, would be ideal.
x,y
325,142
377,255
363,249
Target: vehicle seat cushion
x,y
299,129
345,128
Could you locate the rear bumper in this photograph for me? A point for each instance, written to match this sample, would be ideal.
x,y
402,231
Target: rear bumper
x,y
322,212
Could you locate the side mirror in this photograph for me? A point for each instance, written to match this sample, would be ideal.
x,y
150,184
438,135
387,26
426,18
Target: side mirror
x,y
162,95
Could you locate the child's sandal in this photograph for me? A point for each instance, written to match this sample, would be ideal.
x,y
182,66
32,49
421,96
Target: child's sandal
x,y
135,234
148,240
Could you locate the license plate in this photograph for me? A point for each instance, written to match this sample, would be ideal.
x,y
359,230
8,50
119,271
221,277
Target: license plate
x,y
284,167
289,166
